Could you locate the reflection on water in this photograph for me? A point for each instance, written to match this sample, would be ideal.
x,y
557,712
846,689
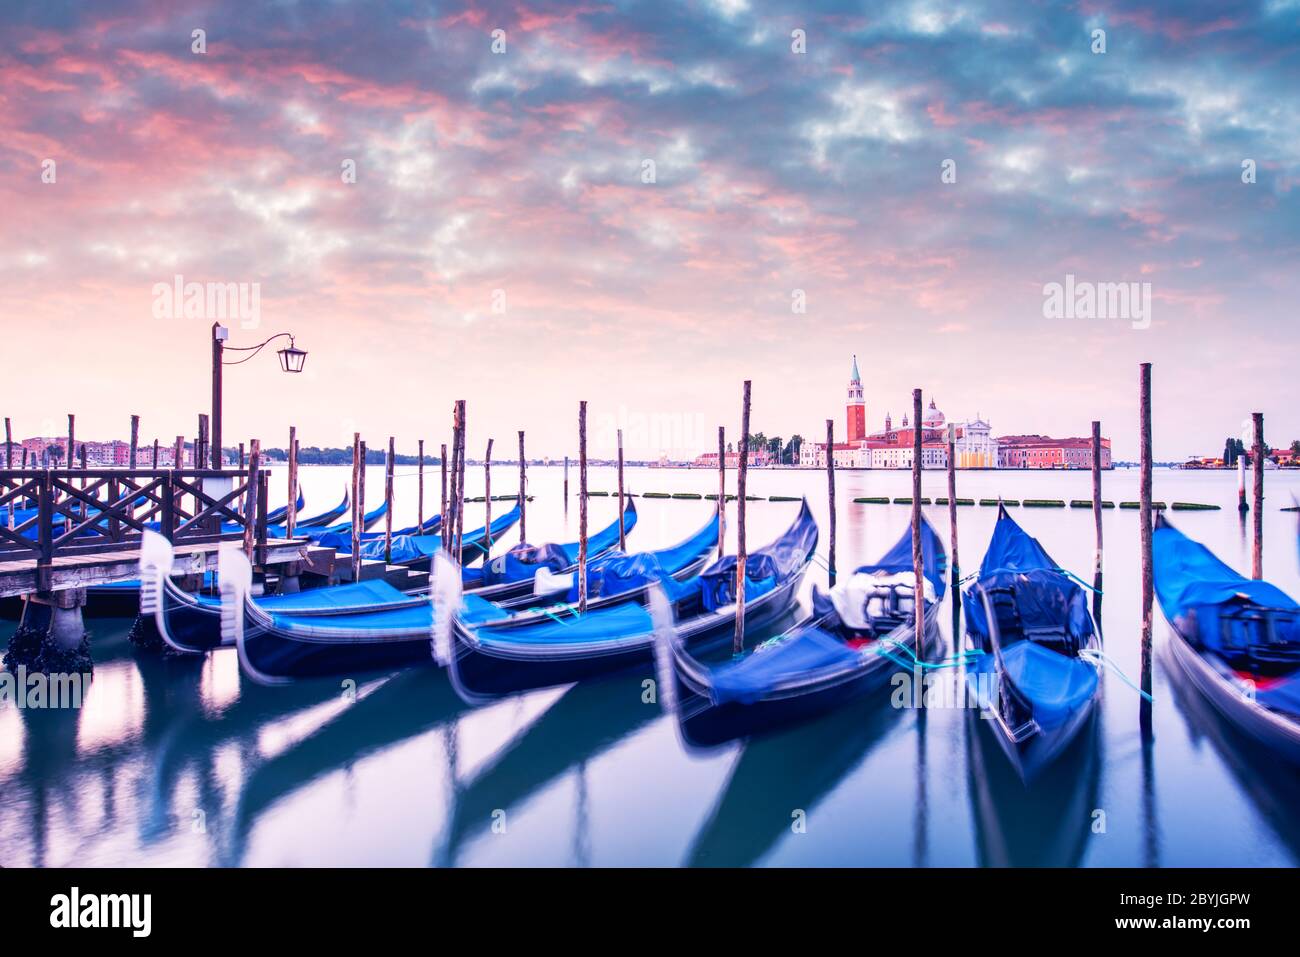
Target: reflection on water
x,y
183,761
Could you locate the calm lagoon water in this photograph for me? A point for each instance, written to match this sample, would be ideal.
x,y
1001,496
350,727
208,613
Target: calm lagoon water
x,y
186,762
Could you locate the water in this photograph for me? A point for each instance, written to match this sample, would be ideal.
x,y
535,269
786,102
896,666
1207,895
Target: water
x,y
187,762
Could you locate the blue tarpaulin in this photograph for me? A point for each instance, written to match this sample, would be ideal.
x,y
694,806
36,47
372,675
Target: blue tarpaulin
x,y
753,676
763,568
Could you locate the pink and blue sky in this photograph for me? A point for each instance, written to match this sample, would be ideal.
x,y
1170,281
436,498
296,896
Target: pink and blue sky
x,y
521,171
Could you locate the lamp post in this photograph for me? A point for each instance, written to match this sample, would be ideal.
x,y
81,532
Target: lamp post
x,y
292,359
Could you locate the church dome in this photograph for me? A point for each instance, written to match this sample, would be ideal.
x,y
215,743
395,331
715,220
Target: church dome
x,y
933,418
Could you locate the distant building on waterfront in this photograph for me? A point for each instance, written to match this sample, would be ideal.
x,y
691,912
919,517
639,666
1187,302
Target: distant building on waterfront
x,y
1044,452
893,448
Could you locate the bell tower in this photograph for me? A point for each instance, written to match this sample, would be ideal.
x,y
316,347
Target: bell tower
x,y
857,408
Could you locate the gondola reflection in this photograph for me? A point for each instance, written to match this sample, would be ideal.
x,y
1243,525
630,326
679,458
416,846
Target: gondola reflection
x,y
780,773
1272,786
586,721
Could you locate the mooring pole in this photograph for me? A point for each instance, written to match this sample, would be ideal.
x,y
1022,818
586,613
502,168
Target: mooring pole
x,y
1257,555
918,570
460,483
155,455
566,484
1096,521
356,501
291,517
582,507
523,489
954,568
241,457
250,495
742,468
360,526
830,491
622,532
9,461
388,505
201,443
722,492
419,508
444,522
135,442
1148,578
1242,507
487,500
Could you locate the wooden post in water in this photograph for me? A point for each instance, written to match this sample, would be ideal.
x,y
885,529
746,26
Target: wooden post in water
x,y
1148,577
9,461
456,456
566,484
1096,520
830,486
356,501
291,517
201,444
954,568
388,505
487,500
69,459
360,525
241,456
135,441
523,488
722,492
155,455
419,508
1257,456
250,495
918,598
582,507
460,486
443,523
742,556
1242,507
622,532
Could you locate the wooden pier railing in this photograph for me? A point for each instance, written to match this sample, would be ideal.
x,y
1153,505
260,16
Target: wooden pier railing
x,y
49,514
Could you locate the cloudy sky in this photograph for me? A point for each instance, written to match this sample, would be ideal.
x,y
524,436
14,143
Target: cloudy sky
x,y
500,242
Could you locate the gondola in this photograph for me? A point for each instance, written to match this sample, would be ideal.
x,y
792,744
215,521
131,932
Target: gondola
x,y
325,519
514,577
612,577
281,515
1237,639
416,551
487,656
344,529
850,645
277,643
1033,673
190,623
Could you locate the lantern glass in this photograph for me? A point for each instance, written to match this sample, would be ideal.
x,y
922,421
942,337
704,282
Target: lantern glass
x,y
292,359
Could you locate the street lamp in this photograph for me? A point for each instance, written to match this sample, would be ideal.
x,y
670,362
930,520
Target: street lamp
x,y
292,359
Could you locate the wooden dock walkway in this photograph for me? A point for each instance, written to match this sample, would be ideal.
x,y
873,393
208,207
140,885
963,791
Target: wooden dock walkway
x,y
65,529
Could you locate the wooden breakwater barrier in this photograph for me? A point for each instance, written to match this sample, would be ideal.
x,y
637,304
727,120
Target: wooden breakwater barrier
x,y
1037,503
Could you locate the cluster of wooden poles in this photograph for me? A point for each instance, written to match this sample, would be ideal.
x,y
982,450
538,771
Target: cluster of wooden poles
x,y
1145,503
452,506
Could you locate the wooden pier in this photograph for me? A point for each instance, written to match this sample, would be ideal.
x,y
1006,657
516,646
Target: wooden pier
x,y
83,527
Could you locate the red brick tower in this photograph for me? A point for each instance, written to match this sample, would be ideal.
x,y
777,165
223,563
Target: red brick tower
x,y
857,408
